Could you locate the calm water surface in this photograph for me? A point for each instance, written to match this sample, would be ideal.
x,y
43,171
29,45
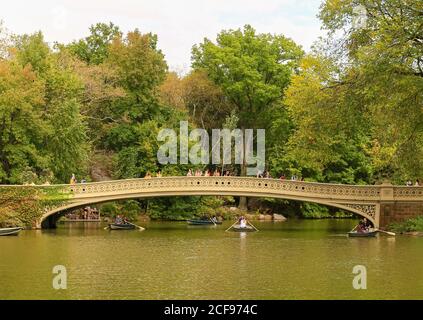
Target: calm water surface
x,y
298,259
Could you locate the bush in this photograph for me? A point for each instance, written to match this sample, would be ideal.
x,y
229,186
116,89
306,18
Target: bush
x,y
128,208
410,225
183,208
314,211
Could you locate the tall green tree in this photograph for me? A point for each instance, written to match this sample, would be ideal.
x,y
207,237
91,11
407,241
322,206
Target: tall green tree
x,y
380,66
94,49
252,70
205,102
138,115
65,143
330,140
22,127
357,103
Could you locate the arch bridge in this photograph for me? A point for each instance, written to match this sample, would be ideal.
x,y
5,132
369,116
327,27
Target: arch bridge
x,y
381,204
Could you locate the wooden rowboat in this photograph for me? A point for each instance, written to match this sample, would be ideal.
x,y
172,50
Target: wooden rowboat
x,y
362,234
10,231
121,226
237,228
202,222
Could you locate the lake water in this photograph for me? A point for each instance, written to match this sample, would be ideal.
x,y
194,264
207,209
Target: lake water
x,y
298,259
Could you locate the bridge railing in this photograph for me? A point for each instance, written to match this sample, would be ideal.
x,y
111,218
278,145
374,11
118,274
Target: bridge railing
x,y
259,185
408,193
251,184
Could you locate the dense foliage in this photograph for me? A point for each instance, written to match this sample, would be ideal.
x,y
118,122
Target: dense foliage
x,y
357,102
410,225
23,207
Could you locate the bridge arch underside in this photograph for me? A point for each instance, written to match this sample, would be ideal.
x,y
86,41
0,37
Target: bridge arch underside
x,y
347,205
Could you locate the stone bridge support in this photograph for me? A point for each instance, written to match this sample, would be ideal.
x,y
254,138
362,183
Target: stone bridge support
x,y
399,203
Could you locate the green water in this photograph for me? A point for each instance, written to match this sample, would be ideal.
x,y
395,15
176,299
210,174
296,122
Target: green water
x,y
291,260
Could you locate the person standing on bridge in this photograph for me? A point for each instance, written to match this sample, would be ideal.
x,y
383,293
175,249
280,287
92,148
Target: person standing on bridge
x,y
259,174
73,179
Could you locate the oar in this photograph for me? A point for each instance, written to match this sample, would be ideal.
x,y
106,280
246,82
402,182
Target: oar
x,y
387,232
232,225
105,228
354,228
212,221
141,228
252,225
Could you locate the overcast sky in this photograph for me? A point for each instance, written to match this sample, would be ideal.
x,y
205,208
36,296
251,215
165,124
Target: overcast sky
x,y
179,23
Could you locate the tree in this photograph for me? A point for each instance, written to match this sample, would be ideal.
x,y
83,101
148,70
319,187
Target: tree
x,y
138,115
101,89
100,79
331,129
382,59
206,103
252,70
357,102
171,91
94,49
141,68
4,41
64,142
21,122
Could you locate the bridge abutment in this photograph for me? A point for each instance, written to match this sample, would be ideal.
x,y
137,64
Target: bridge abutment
x,y
392,210
395,211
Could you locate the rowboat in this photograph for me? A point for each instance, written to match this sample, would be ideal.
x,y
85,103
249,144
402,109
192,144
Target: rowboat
x,y
238,228
121,226
10,231
202,222
362,234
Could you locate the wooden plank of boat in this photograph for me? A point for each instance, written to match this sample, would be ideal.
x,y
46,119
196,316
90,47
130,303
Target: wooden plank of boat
x,y
237,228
201,222
10,231
362,234
121,226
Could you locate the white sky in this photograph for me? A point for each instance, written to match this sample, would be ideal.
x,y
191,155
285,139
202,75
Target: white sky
x,y
179,24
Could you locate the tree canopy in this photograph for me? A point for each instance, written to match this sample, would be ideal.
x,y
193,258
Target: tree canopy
x,y
361,88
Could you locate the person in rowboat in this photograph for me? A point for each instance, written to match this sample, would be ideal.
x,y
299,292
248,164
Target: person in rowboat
x,y
118,220
364,226
360,228
242,222
367,224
